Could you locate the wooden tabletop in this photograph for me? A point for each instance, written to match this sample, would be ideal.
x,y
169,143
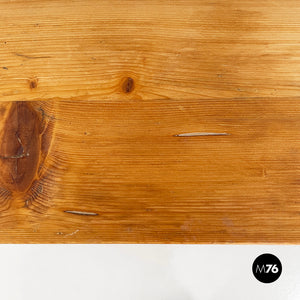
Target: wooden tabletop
x,y
150,121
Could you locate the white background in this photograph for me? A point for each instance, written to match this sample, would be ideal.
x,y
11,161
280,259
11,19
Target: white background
x,y
143,272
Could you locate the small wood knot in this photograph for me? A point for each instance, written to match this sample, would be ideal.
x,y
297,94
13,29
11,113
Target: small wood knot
x,y
33,83
128,85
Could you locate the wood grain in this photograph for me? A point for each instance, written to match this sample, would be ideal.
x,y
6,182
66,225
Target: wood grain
x,y
149,121
181,49
118,172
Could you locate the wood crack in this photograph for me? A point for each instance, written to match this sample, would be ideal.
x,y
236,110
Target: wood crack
x,y
83,213
191,134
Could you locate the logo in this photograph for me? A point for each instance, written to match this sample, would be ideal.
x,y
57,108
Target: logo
x,y
267,268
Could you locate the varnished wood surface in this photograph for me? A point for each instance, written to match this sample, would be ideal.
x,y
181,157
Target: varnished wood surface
x,y
181,49
149,121
123,165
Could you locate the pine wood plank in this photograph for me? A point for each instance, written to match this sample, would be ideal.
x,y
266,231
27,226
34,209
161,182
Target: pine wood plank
x,y
180,49
149,121
103,171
